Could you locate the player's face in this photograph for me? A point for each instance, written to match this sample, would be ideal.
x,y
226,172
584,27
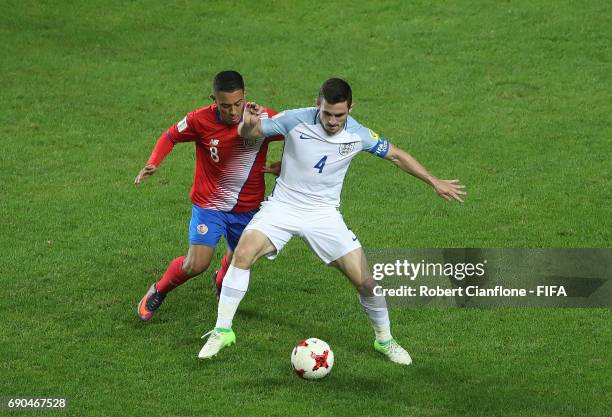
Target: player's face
x,y
230,106
333,116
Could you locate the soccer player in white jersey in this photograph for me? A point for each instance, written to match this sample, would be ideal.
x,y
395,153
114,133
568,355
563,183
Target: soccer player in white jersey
x,y
320,143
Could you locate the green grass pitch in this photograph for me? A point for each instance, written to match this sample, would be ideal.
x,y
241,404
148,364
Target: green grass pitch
x,y
511,97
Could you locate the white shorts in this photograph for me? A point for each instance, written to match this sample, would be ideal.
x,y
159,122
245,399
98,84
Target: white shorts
x,y
322,228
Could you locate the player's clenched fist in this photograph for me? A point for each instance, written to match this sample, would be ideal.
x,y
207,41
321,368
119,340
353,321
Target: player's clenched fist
x,y
250,126
147,171
252,111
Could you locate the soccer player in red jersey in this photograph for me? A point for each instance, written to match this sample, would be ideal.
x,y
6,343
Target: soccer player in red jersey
x,y
227,189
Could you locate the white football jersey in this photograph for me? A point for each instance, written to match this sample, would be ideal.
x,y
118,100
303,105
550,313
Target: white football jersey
x,y
314,163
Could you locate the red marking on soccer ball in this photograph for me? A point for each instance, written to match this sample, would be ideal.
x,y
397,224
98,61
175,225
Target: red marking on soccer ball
x,y
320,360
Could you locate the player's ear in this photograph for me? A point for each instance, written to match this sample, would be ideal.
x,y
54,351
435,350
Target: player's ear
x,y
351,108
212,97
318,102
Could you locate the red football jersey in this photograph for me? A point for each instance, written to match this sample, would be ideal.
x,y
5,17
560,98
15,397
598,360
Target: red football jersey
x,y
228,173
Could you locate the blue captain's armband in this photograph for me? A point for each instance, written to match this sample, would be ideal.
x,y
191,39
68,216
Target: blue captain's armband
x,y
380,148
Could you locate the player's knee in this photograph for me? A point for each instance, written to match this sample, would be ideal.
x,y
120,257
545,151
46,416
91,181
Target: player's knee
x,y
366,287
244,257
193,266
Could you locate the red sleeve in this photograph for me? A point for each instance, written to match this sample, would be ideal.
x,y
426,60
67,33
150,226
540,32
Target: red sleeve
x,y
162,148
184,130
272,113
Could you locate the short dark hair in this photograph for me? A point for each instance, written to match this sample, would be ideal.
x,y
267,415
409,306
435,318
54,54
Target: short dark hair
x,y
336,90
228,81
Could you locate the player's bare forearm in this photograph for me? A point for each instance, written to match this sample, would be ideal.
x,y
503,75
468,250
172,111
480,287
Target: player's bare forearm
x,y
250,132
404,161
447,189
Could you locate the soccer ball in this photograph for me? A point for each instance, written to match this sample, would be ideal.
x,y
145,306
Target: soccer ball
x,y
312,359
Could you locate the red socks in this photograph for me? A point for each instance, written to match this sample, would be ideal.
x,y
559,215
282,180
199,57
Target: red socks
x,y
173,277
221,273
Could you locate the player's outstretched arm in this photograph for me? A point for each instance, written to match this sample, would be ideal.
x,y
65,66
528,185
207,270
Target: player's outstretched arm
x,y
447,189
250,126
144,173
160,151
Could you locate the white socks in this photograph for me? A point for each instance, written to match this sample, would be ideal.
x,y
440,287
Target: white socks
x,y
235,285
376,309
